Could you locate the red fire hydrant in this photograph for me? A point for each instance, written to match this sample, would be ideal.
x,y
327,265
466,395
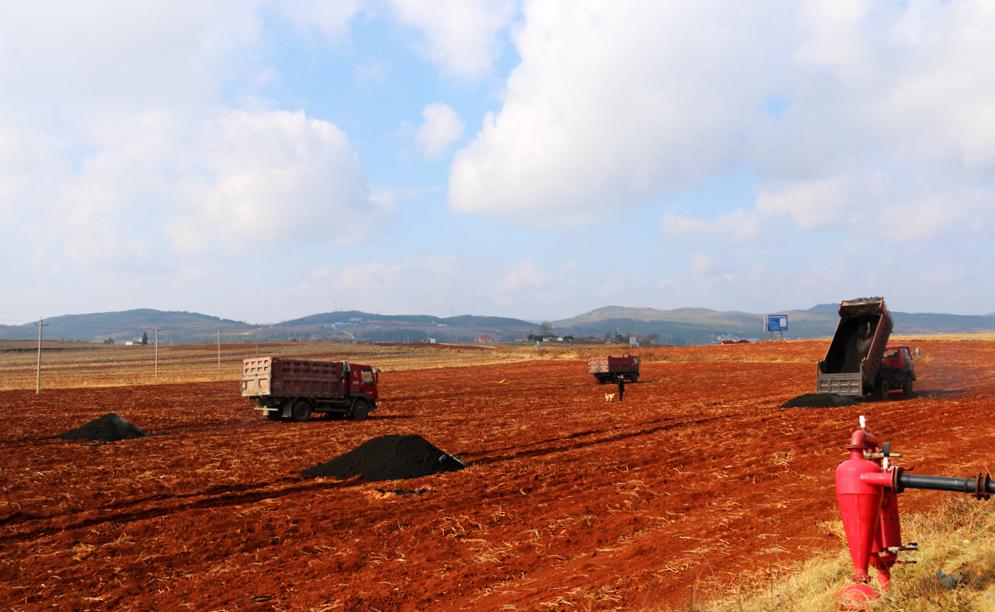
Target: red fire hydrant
x,y
867,488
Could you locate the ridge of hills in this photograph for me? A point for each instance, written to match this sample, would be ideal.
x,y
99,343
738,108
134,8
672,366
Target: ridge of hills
x,y
676,326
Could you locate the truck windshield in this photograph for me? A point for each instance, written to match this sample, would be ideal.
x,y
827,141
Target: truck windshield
x,y
367,376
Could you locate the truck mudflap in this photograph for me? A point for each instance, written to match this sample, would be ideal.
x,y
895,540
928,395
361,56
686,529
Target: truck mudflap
x,y
847,383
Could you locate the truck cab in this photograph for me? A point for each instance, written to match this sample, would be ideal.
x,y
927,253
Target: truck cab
x,y
897,368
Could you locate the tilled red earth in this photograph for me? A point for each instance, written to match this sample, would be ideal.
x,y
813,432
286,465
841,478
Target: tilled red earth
x,y
697,481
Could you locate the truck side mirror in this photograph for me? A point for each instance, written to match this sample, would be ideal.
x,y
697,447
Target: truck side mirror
x,y
918,353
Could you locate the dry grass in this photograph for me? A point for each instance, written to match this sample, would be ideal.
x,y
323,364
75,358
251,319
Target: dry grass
x,y
75,364
956,540
82,365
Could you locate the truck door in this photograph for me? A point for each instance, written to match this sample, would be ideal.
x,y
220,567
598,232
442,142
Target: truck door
x,y
907,359
368,380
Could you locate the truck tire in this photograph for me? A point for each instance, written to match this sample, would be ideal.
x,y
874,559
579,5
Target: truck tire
x,y
907,386
634,377
360,410
301,411
880,390
275,415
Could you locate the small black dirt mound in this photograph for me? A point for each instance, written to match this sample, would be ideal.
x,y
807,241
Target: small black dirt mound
x,y
108,428
819,400
389,458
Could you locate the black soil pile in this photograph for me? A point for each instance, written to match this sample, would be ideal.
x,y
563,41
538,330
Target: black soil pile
x,y
819,400
108,428
389,458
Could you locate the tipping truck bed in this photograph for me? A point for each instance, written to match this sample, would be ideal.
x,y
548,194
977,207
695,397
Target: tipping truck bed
x,y
853,361
609,368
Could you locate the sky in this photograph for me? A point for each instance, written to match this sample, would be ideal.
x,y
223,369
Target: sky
x,y
263,160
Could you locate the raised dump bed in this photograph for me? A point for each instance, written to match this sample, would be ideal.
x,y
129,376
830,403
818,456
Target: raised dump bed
x,y
852,365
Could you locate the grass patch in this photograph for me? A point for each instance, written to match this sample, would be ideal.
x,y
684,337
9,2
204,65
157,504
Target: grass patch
x,y
957,540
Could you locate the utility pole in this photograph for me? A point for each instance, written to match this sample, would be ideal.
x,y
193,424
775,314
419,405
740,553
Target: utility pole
x,y
156,370
219,349
41,323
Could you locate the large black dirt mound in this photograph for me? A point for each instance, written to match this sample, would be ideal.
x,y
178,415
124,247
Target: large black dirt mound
x,y
389,458
819,400
108,428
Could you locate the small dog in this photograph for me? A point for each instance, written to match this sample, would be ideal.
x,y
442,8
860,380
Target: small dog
x,y
609,397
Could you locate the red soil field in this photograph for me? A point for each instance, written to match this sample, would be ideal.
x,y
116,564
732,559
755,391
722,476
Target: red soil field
x,y
697,481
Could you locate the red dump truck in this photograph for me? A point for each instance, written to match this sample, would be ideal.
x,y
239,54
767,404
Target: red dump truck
x,y
297,388
856,363
607,369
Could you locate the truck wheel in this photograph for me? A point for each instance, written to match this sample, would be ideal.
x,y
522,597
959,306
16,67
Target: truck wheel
x,y
275,415
301,411
907,386
360,410
635,377
880,390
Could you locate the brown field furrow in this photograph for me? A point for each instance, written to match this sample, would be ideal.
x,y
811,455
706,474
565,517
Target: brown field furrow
x,y
697,480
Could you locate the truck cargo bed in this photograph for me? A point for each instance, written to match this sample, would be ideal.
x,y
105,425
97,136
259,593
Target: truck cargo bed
x,y
612,366
264,376
841,384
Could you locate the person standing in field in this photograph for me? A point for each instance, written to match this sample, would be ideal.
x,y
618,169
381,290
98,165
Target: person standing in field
x,y
621,387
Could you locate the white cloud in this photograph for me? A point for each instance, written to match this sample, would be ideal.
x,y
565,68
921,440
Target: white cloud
x,y
738,224
456,285
615,104
274,177
442,127
524,275
329,18
460,36
70,57
618,104
118,139
702,263
812,204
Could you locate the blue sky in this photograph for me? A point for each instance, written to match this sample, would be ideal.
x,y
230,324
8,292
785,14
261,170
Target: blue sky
x,y
268,159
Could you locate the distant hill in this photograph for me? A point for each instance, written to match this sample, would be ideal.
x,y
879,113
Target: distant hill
x,y
366,327
677,326
128,325
701,325
191,327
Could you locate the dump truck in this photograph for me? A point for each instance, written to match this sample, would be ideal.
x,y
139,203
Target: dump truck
x,y
608,369
853,364
297,388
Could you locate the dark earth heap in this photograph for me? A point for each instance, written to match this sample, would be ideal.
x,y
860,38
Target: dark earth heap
x,y
394,457
819,400
108,428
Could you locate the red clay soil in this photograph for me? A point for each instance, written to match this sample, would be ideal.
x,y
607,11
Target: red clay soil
x,y
697,481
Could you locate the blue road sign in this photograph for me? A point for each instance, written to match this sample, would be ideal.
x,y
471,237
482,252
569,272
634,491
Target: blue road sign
x,y
777,323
